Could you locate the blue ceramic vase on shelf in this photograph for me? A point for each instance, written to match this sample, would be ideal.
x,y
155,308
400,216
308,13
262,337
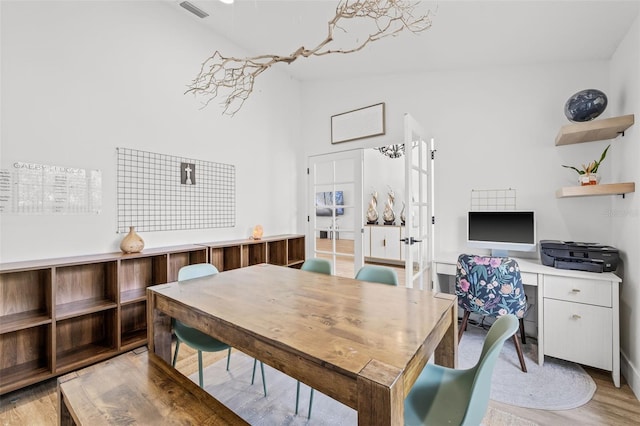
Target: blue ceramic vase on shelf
x,y
585,105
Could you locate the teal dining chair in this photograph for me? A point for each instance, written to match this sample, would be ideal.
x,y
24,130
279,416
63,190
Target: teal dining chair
x,y
446,396
377,274
198,340
321,266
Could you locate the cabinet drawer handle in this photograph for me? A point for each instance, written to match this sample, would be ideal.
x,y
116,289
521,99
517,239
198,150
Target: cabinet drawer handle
x,y
384,242
575,290
576,316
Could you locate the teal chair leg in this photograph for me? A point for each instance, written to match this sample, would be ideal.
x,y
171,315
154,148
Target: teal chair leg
x,y
264,383
298,399
253,375
175,358
200,378
175,354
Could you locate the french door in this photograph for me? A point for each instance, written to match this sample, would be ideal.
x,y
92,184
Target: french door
x,y
419,196
335,210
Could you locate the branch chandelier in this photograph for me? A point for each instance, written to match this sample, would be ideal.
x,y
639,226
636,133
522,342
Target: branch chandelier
x,y
392,151
234,78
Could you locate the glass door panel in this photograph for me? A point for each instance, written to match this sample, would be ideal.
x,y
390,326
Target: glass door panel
x,y
418,232
335,219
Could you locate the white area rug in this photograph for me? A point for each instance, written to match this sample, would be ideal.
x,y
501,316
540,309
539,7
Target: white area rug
x,y
233,388
557,385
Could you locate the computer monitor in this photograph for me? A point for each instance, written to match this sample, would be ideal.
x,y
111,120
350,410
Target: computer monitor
x,y
501,231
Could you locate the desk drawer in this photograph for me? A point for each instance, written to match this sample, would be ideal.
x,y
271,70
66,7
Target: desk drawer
x,y
446,268
593,292
529,278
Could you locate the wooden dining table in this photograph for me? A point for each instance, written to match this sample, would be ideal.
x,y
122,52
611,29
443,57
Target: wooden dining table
x,y
361,343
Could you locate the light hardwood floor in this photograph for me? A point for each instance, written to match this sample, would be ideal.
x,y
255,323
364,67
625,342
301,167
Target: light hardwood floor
x,y
37,405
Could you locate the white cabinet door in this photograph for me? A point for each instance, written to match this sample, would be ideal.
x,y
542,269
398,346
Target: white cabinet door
x,y
385,242
578,332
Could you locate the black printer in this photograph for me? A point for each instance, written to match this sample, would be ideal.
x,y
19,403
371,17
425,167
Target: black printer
x,y
589,257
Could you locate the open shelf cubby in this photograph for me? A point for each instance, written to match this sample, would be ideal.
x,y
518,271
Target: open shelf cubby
x,y
255,254
25,299
133,325
232,258
188,255
25,357
138,273
85,288
296,251
278,252
85,339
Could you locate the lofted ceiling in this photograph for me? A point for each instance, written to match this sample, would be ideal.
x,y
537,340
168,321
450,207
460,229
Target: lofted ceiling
x,y
464,34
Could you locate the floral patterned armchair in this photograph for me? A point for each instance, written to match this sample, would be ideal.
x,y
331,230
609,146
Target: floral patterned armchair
x,y
491,286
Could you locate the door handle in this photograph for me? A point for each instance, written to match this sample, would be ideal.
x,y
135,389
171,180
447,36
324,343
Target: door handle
x,y
410,241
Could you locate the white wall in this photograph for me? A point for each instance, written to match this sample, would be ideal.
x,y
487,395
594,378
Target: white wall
x,y
82,78
624,98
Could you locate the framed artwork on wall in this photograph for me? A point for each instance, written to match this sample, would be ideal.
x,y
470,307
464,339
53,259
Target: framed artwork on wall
x,y
358,124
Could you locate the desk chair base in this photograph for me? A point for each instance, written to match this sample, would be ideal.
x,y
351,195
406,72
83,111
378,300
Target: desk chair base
x,y
516,342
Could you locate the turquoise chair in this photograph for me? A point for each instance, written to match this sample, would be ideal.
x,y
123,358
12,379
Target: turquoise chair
x,y
446,396
321,266
196,339
377,274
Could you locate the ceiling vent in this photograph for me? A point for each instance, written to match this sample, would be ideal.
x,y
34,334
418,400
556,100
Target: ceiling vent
x,y
196,11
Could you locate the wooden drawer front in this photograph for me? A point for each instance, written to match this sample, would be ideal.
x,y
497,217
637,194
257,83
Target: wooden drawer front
x,y
593,292
579,333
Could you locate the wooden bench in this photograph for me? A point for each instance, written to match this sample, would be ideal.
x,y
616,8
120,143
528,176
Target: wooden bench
x,y
137,388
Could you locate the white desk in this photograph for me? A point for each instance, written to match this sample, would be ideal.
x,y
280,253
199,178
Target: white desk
x,y
578,313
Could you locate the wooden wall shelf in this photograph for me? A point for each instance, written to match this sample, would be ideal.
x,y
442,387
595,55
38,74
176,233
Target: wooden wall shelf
x,y
57,315
602,189
596,130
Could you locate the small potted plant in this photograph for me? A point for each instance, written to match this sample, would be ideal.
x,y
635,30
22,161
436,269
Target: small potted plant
x,y
588,174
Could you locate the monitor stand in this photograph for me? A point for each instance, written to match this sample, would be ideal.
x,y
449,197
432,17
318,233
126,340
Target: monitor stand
x,y
499,253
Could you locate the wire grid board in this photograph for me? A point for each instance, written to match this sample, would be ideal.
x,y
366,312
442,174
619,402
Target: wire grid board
x,y
493,199
158,192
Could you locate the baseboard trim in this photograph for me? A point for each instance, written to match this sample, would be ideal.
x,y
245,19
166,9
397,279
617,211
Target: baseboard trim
x,y
630,373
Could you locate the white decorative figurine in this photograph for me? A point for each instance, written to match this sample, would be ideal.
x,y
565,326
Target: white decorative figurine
x,y
388,215
372,213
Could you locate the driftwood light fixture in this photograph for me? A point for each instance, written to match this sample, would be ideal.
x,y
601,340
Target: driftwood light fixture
x,y
235,77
